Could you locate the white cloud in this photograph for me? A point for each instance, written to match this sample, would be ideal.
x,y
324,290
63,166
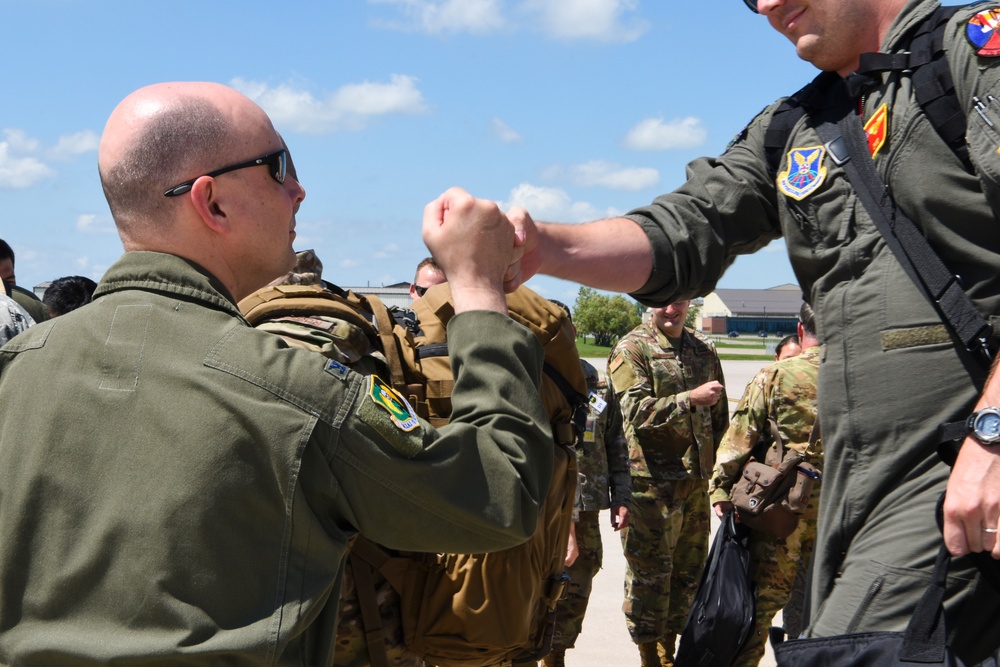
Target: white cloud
x,y
17,170
71,145
348,263
91,223
447,16
350,107
553,204
607,175
388,252
653,134
603,20
504,132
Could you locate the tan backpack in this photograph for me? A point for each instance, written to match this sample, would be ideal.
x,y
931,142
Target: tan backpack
x,y
456,610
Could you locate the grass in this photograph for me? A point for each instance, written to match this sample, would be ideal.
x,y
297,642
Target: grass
x,y
730,349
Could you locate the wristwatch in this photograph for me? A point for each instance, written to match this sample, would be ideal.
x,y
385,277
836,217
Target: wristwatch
x,y
984,425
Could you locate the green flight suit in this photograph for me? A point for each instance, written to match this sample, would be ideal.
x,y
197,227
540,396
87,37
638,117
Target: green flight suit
x,y
785,391
891,373
671,445
179,488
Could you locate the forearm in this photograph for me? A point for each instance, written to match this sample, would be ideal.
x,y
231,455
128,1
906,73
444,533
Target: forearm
x,y
612,254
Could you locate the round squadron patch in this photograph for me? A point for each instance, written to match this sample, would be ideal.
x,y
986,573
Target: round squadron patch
x,y
981,32
805,172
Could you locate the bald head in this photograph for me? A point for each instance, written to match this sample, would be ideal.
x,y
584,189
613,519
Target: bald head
x,y
164,134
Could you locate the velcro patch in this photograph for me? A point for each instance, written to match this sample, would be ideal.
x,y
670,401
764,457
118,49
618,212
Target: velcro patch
x,y
982,34
623,376
337,369
386,411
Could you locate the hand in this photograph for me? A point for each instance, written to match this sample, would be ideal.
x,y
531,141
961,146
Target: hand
x,y
572,549
972,501
473,242
722,507
527,258
707,394
619,517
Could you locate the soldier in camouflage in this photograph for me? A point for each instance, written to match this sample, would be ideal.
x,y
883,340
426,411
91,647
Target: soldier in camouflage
x,y
669,382
785,391
602,460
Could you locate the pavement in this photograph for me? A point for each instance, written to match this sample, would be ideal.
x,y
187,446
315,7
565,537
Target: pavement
x,y
605,641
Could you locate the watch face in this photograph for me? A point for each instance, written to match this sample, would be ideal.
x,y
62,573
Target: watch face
x,y
987,425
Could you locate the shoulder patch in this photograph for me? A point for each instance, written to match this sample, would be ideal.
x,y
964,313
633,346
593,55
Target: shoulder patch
x,y
623,376
981,31
337,369
386,411
877,129
805,172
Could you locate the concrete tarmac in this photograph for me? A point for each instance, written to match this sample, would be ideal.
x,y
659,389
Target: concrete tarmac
x,y
605,641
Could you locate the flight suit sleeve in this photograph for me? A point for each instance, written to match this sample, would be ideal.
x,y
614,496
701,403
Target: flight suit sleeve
x,y
749,420
725,208
471,486
616,448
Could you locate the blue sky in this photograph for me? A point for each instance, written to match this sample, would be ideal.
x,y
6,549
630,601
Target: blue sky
x,y
575,109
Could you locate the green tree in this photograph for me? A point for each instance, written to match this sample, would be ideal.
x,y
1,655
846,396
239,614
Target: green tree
x,y
692,317
604,317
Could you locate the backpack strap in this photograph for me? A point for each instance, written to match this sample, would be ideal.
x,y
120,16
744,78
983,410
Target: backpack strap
x,y
362,567
848,147
385,323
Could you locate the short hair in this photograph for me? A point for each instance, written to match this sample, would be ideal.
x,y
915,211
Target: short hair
x,y
6,252
808,318
165,152
66,294
426,261
564,308
784,342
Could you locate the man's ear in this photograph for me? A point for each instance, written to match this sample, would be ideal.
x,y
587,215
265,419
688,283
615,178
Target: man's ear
x,y
208,203
801,331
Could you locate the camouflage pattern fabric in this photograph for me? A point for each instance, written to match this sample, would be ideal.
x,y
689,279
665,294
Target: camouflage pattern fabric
x,y
13,319
665,545
602,459
668,438
671,445
352,646
601,452
572,608
785,392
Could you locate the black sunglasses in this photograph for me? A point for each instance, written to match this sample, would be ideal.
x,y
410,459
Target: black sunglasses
x,y
420,290
752,4
277,161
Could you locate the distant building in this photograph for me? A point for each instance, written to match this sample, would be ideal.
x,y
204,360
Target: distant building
x,y
397,294
750,311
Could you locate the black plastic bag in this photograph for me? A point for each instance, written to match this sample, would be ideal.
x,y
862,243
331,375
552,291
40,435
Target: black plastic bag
x,y
722,616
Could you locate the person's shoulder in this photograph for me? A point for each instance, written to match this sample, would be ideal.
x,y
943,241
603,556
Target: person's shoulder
x,y
701,340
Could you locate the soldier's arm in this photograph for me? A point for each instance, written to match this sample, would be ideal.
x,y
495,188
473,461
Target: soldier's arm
x,y
748,422
616,448
640,406
720,411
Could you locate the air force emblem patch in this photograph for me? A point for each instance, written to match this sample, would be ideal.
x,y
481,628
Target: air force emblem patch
x,y
805,172
387,398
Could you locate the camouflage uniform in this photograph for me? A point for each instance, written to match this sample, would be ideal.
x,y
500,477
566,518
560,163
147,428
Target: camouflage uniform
x,y
602,458
13,319
671,447
785,392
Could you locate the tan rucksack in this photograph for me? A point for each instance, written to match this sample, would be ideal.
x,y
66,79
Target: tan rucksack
x,y
456,610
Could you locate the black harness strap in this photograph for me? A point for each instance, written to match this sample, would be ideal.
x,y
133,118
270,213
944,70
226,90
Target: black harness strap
x,y
848,146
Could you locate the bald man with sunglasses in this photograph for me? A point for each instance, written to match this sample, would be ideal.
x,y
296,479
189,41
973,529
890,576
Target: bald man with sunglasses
x,y
179,488
923,107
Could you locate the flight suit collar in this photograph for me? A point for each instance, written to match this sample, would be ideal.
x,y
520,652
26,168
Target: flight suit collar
x,y
169,274
913,14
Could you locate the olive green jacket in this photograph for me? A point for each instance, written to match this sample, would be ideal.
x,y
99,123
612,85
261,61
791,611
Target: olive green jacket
x,y
891,372
179,488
